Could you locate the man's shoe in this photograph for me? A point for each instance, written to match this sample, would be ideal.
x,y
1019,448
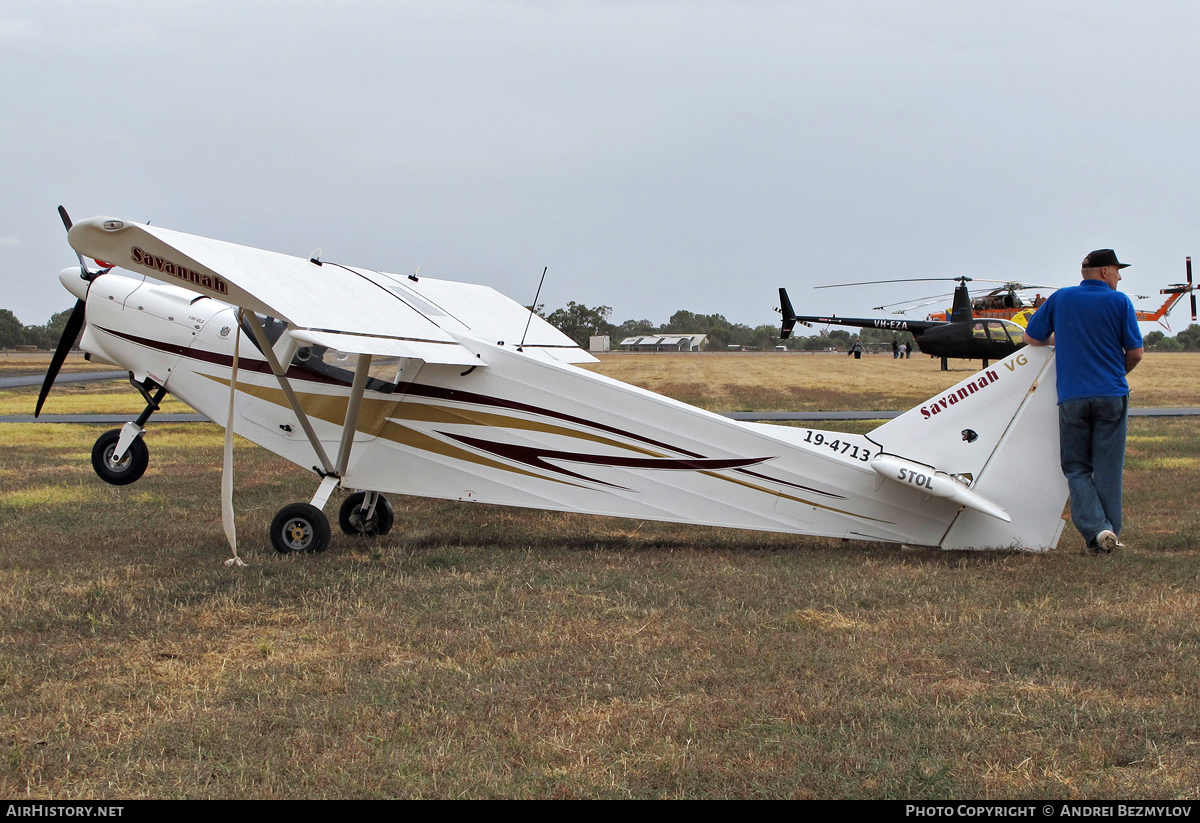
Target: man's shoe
x,y
1106,542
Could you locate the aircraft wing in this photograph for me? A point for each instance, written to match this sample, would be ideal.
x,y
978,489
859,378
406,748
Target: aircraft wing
x,y
370,312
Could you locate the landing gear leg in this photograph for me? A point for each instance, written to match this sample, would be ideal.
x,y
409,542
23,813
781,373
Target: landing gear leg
x,y
945,364
120,456
151,402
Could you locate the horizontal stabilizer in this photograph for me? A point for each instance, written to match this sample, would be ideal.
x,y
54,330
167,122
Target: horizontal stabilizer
x,y
936,483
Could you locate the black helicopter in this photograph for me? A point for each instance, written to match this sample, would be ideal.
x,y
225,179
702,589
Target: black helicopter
x,y
961,337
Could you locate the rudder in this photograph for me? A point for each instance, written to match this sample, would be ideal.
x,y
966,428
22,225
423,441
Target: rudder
x,y
998,430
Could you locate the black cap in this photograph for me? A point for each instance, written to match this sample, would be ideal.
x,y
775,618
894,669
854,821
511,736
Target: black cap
x,y
1103,257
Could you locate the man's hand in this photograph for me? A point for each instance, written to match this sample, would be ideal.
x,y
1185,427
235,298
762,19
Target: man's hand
x,y
1132,358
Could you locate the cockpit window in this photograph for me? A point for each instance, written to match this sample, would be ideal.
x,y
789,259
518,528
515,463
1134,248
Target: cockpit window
x,y
383,376
274,329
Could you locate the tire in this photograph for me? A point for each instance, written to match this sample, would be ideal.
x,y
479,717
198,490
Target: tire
x,y
129,469
352,522
300,527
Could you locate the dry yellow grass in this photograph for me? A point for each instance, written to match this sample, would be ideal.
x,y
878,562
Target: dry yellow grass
x,y
21,363
733,381
493,652
772,381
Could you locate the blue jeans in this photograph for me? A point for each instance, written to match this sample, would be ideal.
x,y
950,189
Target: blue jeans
x,y
1091,432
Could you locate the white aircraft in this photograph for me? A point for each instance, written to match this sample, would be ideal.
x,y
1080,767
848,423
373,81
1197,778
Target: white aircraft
x,y
384,383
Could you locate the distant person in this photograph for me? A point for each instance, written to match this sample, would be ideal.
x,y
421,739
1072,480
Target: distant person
x,y
903,351
856,350
1094,331
895,348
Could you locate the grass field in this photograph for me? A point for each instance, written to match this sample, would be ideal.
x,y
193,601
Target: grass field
x,y
494,652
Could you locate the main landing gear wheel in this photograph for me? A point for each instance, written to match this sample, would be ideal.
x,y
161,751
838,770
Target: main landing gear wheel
x,y
119,472
300,527
353,521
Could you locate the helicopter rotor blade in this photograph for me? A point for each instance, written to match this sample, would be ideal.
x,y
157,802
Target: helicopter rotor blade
x,y
901,280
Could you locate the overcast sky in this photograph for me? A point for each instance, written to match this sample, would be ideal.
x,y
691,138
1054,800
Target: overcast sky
x,y
655,154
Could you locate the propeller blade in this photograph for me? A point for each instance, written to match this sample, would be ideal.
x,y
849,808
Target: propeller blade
x,y
70,332
83,269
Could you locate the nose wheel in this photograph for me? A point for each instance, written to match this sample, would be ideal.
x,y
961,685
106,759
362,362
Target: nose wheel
x,y
119,471
120,456
300,527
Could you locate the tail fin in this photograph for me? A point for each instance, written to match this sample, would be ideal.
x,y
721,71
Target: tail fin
x,y
998,432
789,315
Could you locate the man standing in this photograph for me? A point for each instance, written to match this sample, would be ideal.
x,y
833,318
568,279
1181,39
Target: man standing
x,y
1097,342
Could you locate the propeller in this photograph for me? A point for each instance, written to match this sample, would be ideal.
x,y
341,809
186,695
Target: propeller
x,y
74,323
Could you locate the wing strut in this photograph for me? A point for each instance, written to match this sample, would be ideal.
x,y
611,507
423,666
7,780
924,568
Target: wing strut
x,y
361,370
227,519
285,384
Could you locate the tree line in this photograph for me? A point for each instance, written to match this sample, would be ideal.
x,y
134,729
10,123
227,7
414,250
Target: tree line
x,y
1186,340
580,322
14,333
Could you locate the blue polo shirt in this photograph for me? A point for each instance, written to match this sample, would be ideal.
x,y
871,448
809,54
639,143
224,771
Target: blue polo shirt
x,y
1093,326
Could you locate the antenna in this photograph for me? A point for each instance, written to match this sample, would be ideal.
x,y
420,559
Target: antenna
x,y
534,308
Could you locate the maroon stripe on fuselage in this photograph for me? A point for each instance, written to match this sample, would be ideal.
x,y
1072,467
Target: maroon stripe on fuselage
x,y
247,363
440,393
457,395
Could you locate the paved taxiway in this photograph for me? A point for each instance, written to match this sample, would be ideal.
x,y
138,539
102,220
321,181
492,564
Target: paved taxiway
x,y
183,417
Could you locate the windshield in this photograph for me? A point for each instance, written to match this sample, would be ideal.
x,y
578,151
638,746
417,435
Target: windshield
x,y
336,366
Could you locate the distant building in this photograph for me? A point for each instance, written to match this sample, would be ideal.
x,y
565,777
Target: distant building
x,y
598,342
660,342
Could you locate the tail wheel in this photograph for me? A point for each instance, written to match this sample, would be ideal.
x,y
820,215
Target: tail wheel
x,y
300,527
354,521
119,472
